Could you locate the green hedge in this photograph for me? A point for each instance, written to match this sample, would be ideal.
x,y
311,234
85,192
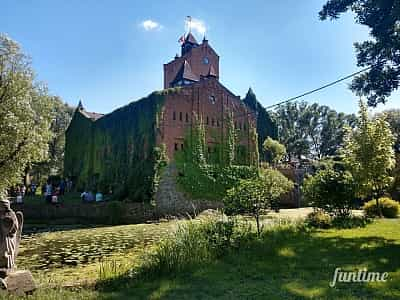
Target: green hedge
x,y
390,208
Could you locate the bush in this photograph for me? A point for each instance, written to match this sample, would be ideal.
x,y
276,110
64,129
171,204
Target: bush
x,y
350,222
253,196
330,190
389,208
192,244
318,219
196,243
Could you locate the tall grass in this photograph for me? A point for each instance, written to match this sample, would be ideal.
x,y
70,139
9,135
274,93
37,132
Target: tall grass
x,y
199,242
188,246
111,269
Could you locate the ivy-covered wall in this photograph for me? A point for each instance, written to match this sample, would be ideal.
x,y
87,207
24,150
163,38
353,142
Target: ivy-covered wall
x,y
116,152
266,127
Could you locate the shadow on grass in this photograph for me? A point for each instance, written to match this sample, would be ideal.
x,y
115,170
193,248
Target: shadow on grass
x,y
282,265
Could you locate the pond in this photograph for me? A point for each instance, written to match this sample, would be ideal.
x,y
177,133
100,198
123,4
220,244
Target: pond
x,y
58,247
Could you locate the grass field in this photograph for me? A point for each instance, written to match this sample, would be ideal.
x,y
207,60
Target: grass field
x,y
281,265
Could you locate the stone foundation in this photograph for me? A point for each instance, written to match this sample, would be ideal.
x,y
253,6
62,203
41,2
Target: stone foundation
x,y
19,282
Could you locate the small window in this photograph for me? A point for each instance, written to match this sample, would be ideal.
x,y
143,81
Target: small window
x,y
207,121
212,99
182,147
176,147
187,118
180,116
174,116
217,123
212,122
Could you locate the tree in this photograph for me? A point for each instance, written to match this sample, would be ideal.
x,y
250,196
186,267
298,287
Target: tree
x,y
54,164
275,151
392,116
291,130
330,190
333,130
266,127
368,154
25,115
312,131
381,53
253,196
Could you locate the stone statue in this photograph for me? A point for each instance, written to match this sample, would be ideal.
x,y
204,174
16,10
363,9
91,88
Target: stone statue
x,y
14,281
10,235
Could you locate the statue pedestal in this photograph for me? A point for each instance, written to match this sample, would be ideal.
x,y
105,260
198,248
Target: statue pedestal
x,y
19,282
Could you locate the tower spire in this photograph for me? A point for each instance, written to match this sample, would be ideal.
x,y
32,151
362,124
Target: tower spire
x,y
80,105
189,22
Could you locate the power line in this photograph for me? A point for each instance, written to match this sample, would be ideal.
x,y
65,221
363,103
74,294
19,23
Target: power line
x,y
318,89
304,94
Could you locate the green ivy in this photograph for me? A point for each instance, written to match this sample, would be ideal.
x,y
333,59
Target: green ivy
x,y
210,179
118,151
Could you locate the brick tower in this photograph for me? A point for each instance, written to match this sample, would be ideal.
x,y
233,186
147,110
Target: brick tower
x,y
196,61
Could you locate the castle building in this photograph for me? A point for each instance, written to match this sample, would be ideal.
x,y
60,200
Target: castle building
x,y
110,147
196,72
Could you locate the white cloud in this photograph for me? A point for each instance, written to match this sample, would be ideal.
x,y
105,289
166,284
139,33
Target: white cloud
x,y
149,25
197,25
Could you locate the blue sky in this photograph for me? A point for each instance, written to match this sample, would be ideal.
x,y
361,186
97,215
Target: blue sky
x,y
100,52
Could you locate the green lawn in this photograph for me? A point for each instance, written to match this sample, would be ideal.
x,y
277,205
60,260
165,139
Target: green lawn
x,y
288,266
284,265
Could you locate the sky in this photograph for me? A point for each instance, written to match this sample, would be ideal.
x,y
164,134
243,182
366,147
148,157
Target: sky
x,y
109,53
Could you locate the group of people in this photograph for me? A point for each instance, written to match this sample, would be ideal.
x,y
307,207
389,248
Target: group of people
x,y
91,197
52,191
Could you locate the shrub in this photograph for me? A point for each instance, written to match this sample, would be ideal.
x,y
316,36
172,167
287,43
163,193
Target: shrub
x,y
274,150
318,219
350,221
389,207
253,196
192,244
196,243
330,190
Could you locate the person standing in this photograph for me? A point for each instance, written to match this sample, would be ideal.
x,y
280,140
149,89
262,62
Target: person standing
x,y
48,192
23,190
62,187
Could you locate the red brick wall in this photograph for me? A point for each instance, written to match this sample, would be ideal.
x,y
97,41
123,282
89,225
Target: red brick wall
x,y
195,99
195,59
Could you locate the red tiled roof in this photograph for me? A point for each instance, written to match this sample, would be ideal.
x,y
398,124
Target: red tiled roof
x,y
185,72
191,39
